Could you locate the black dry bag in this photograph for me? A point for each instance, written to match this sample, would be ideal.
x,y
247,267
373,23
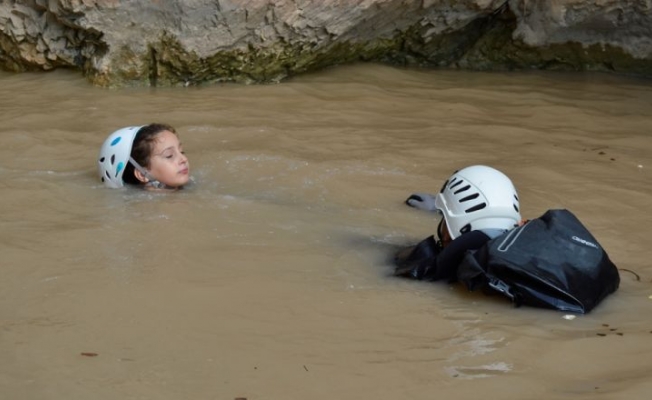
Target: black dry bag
x,y
552,261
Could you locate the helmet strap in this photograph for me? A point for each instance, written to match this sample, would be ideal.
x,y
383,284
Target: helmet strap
x,y
443,237
439,234
150,179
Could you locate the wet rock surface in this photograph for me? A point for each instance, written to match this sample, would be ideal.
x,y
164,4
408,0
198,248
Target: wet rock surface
x,y
166,43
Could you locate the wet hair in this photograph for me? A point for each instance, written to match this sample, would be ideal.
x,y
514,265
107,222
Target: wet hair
x,y
142,148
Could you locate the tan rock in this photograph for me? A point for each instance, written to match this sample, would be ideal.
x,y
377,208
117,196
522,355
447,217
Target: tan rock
x,y
183,42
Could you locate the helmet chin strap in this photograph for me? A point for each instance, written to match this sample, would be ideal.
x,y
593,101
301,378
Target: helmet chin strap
x,y
151,181
440,235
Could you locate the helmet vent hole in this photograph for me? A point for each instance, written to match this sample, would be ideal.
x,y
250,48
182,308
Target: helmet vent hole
x,y
443,186
113,159
476,208
516,208
455,183
107,175
462,189
466,228
470,197
102,159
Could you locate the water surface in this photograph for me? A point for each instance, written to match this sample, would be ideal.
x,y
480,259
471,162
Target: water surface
x,y
268,277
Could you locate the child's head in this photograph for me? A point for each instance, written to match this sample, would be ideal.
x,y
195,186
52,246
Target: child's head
x,y
149,155
477,198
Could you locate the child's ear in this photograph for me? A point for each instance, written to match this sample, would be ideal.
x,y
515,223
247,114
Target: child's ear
x,y
140,176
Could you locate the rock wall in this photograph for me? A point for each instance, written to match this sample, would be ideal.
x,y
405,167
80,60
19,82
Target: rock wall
x,y
166,42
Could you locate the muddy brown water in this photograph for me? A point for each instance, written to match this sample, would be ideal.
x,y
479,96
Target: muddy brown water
x,y
268,277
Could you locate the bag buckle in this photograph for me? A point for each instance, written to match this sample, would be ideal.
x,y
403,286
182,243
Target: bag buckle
x,y
501,287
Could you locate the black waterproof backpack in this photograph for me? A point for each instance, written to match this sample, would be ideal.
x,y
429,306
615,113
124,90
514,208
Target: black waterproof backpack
x,y
552,261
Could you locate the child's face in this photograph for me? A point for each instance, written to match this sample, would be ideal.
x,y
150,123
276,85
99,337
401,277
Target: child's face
x,y
167,163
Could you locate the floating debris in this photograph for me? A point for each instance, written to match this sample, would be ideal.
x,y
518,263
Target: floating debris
x,y
569,317
89,354
638,277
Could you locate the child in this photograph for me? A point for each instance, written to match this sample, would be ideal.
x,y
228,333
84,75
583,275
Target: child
x,y
478,203
150,156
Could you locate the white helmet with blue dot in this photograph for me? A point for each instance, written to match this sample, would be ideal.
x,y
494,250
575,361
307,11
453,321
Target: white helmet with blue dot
x,y
114,156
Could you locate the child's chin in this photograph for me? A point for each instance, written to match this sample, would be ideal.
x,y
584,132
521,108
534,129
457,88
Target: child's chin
x,y
182,182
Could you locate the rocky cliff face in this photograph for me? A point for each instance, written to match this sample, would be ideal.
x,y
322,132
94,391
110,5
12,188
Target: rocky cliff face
x,y
166,42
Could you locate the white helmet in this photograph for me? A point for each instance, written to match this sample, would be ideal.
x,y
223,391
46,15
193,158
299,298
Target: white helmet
x,y
476,198
114,156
